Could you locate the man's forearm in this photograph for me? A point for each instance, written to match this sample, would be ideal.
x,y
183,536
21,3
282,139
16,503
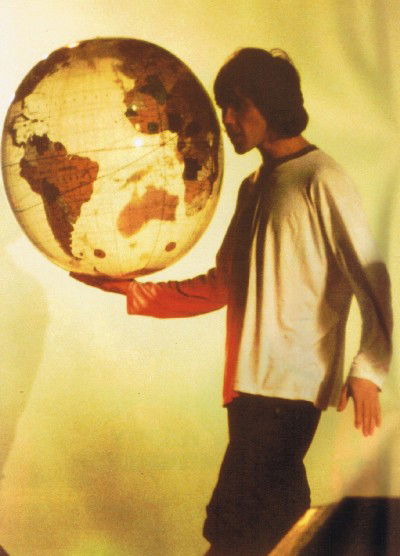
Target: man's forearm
x,y
185,298
372,361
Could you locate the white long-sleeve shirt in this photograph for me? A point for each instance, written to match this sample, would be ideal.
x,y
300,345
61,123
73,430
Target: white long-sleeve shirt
x,y
297,249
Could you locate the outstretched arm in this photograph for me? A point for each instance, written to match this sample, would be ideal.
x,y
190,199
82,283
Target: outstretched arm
x,y
184,298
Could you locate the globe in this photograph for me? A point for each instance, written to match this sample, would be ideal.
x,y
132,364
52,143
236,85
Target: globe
x,y
112,157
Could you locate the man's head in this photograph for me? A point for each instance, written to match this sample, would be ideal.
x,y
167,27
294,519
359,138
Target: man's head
x,y
270,82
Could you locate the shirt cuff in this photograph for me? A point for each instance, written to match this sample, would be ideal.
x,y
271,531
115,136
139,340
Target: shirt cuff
x,y
362,367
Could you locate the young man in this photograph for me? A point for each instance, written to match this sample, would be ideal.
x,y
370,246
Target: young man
x,y
297,249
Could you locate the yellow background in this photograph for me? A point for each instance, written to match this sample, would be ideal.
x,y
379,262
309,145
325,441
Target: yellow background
x,y
111,427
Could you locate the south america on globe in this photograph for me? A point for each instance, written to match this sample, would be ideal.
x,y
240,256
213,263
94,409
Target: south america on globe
x,y
112,157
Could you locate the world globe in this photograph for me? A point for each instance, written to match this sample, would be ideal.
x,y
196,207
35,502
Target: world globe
x,y
112,157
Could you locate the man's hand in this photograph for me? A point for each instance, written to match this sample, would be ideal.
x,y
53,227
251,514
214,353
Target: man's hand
x,y
103,282
367,409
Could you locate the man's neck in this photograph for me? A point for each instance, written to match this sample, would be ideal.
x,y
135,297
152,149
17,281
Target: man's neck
x,y
280,148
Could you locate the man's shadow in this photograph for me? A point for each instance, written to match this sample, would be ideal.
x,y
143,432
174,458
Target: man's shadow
x,y
24,318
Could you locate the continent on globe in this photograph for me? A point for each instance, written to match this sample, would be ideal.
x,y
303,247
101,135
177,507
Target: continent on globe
x,y
63,181
155,204
151,109
112,157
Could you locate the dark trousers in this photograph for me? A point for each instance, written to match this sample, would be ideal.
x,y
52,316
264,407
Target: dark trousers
x,y
262,487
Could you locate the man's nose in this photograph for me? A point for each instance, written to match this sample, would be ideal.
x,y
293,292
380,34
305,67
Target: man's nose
x,y
228,115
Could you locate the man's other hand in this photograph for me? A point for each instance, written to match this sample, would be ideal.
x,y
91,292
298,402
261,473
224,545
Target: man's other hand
x,y
103,282
367,409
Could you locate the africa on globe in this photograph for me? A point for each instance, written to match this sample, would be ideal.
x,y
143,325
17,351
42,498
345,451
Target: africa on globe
x,y
112,157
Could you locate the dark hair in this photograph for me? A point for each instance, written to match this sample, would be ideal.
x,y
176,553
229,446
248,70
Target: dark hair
x,y
271,81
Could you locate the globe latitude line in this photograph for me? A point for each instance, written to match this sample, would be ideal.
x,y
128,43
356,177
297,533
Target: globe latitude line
x,y
70,190
103,149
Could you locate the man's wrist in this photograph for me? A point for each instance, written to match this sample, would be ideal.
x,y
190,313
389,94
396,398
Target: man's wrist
x,y
362,367
116,286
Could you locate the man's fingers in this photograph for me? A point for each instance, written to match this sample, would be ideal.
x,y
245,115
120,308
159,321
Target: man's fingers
x,y
368,426
378,418
364,417
114,285
85,278
344,397
372,419
96,281
367,416
367,410
358,413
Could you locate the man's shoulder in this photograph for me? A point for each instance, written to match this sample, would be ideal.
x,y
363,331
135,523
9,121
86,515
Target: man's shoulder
x,y
320,171
327,167
319,165
329,184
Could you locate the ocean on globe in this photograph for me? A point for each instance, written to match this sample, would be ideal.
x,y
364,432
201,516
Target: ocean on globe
x,y
112,157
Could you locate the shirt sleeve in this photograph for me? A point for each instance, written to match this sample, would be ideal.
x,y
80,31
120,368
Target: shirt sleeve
x,y
185,298
344,224
202,294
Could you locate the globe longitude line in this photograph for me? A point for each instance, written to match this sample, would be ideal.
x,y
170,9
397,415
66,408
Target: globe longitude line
x,y
70,190
163,145
116,244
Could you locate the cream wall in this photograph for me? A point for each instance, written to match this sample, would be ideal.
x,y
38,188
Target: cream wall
x,y
111,430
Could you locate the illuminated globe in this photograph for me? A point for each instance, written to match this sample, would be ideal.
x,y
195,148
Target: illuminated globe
x,y
112,157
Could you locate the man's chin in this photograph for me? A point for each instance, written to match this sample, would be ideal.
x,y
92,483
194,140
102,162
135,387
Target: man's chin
x,y
239,148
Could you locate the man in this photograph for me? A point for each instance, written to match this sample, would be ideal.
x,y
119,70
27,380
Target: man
x,y
296,250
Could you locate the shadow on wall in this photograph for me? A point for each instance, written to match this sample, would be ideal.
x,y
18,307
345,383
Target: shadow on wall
x,y
24,318
118,487
122,485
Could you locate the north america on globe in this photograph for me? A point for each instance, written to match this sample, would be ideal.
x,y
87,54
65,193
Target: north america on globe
x,y
112,157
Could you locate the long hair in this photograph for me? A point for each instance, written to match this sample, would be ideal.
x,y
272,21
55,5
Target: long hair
x,y
271,81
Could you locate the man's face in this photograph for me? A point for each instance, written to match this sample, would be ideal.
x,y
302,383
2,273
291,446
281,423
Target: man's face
x,y
244,124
